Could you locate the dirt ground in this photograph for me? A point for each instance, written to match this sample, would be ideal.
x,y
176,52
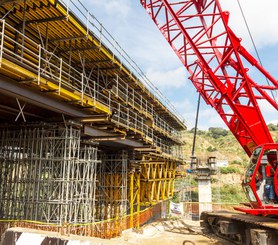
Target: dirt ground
x,y
182,232
170,232
176,232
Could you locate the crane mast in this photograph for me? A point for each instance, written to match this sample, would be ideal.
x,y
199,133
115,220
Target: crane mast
x,y
198,31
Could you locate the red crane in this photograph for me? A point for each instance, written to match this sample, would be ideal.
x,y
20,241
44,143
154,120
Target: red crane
x,y
199,33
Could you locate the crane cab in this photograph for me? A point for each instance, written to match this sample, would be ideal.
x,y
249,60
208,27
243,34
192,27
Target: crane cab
x,y
261,181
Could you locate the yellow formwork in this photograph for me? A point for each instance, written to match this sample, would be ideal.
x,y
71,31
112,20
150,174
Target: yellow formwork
x,y
157,179
134,197
11,68
53,22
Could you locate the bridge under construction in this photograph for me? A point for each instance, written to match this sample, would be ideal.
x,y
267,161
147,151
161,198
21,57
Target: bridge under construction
x,y
86,148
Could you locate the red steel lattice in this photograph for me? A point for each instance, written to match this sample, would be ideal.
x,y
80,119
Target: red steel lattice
x,y
199,33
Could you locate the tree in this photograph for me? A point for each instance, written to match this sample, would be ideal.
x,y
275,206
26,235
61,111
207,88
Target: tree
x,y
217,132
199,132
272,127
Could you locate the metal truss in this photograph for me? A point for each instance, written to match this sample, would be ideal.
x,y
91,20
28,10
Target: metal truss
x,y
46,175
156,180
112,190
199,33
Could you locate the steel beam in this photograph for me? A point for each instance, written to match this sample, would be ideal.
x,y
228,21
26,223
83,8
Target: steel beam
x,y
45,20
67,38
94,132
11,88
77,49
9,1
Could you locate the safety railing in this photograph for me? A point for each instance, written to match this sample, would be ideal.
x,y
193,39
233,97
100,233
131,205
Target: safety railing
x,y
105,38
46,65
164,127
47,68
122,91
130,97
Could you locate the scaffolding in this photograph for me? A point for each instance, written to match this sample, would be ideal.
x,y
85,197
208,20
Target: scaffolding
x,y
112,186
186,195
72,182
44,70
157,179
111,194
46,175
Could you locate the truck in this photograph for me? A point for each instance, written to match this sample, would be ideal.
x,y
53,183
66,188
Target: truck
x,y
222,71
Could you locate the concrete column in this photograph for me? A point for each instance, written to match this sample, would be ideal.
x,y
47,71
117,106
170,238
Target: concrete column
x,y
205,199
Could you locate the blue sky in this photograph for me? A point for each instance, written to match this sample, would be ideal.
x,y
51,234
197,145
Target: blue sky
x,y
133,29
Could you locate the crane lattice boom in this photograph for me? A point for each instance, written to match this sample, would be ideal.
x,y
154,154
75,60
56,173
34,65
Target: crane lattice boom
x,y
199,33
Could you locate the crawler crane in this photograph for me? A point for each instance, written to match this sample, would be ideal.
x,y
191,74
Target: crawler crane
x,y
198,31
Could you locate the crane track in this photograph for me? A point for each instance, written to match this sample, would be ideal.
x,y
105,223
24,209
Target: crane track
x,y
241,228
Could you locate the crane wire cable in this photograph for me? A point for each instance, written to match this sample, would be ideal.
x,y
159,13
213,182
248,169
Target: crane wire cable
x,y
254,45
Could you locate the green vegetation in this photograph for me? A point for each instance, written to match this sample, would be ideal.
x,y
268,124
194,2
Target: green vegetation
x,y
229,194
220,143
274,131
229,170
236,162
215,142
211,149
272,127
217,132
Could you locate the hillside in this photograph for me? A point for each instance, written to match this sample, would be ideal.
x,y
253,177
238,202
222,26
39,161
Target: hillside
x,y
220,143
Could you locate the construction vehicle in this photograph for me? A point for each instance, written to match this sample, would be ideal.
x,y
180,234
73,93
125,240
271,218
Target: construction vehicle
x,y
218,64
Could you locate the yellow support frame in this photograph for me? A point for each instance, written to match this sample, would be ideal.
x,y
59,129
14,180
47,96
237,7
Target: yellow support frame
x,y
157,179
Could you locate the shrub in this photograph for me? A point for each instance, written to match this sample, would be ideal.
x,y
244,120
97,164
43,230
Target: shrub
x,y
229,170
272,127
217,132
236,162
231,193
198,131
211,149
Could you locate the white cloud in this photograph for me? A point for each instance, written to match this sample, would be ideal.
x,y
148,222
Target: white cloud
x,y
168,79
261,18
210,118
184,104
115,8
269,112
134,30
267,108
207,118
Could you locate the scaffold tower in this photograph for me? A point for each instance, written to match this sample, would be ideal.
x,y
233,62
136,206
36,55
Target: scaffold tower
x,y
46,175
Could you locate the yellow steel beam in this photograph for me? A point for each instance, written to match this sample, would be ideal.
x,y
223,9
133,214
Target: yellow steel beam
x,y
157,179
138,184
44,84
131,197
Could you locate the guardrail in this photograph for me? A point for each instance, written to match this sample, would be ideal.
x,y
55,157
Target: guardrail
x,y
49,71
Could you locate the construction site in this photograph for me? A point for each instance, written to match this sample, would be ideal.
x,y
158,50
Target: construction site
x,y
85,147
90,149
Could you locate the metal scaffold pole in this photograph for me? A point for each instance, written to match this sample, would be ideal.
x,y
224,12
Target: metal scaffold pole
x,y
46,175
111,199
